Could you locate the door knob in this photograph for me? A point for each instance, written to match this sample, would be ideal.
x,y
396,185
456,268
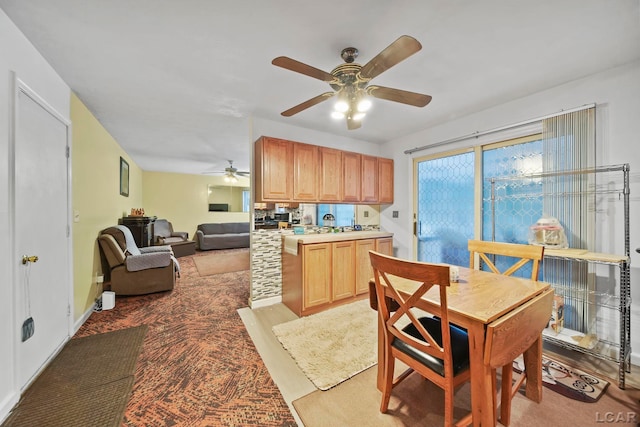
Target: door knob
x,y
26,259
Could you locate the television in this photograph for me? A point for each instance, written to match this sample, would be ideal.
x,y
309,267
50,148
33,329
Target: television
x,y
218,207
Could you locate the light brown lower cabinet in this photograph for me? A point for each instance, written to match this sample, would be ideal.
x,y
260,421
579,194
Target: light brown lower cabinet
x,y
343,275
316,267
364,271
324,275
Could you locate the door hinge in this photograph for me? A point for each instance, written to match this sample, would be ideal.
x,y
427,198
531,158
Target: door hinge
x,y
68,310
66,151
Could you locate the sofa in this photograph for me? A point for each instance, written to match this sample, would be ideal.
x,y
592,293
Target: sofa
x,y
130,270
223,235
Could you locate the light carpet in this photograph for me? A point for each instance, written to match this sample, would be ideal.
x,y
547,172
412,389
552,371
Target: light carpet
x,y
216,262
416,402
334,345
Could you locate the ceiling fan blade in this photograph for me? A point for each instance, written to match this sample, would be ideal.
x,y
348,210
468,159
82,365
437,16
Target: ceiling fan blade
x,y
396,52
397,95
306,104
353,124
299,67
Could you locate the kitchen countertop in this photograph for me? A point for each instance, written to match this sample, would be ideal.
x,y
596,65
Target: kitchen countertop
x,y
335,237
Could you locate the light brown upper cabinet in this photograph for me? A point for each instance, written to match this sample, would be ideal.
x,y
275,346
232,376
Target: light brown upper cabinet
x,y
305,172
369,190
351,176
330,180
288,171
385,180
274,169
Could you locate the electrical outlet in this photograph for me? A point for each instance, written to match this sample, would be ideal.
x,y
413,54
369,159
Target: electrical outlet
x,y
395,214
366,214
99,279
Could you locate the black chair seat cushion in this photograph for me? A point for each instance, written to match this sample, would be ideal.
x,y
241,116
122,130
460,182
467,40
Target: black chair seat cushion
x,y
459,346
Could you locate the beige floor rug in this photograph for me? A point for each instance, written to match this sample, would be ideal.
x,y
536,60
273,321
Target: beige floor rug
x,y
334,345
216,262
417,402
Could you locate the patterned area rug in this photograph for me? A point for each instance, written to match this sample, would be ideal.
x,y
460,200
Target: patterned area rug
x,y
198,365
334,345
567,380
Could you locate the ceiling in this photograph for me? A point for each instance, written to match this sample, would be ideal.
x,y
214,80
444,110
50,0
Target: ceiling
x,y
177,82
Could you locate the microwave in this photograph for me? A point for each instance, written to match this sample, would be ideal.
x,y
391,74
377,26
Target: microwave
x,y
282,216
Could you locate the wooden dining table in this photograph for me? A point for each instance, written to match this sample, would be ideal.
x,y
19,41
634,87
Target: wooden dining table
x,y
476,300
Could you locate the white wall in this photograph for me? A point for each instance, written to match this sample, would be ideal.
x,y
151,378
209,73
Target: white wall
x,y
617,95
20,56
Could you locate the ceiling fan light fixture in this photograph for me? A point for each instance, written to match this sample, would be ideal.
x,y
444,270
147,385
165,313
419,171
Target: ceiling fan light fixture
x,y
341,106
358,116
350,81
364,104
230,178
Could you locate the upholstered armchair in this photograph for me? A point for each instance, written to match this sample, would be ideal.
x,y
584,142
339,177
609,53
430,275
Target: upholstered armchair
x,y
163,233
130,270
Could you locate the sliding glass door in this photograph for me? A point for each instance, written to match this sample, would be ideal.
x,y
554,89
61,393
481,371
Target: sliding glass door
x,y
445,214
446,210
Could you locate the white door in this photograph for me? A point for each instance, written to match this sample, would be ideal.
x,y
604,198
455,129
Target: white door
x,y
41,222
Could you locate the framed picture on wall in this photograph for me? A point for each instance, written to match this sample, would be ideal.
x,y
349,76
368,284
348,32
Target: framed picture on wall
x,y
124,177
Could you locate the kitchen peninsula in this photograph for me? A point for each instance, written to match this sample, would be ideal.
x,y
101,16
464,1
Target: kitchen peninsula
x,y
320,271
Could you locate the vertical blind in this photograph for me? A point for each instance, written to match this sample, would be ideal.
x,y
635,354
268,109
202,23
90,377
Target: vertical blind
x,y
569,145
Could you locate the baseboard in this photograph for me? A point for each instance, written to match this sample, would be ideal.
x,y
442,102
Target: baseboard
x,y
7,405
265,302
635,359
83,319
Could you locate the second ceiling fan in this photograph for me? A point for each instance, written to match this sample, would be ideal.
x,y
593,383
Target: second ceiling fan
x,y
230,173
350,81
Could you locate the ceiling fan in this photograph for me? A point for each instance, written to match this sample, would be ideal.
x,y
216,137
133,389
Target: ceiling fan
x,y
350,81
230,173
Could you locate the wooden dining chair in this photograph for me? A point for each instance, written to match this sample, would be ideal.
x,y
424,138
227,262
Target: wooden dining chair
x,y
429,345
524,254
507,338
480,252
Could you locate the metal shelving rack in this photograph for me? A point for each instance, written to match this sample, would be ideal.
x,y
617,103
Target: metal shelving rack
x,y
619,352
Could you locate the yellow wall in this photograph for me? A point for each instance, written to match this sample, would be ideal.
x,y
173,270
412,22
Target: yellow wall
x,y
183,199
96,198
